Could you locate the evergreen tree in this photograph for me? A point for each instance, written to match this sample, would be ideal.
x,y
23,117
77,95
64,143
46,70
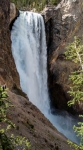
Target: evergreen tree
x,y
75,53
37,4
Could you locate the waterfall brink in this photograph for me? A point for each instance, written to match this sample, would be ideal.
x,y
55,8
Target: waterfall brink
x,y
30,55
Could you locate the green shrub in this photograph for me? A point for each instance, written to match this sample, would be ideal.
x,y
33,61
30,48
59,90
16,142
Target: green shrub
x,y
75,53
9,141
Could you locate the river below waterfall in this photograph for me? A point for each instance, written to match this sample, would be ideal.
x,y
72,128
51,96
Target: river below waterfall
x,y
30,55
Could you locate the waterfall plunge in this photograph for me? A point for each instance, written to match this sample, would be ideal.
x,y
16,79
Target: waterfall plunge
x,y
29,51
30,55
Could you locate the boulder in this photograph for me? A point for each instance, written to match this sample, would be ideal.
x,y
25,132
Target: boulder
x,y
14,13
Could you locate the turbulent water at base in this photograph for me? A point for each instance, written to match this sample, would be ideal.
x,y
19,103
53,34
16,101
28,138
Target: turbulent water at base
x,y
30,55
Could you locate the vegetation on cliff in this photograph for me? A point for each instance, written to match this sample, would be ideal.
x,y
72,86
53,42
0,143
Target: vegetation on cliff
x,y
75,53
37,4
9,141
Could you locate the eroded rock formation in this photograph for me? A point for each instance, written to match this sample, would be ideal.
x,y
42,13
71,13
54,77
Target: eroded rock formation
x,y
62,23
8,72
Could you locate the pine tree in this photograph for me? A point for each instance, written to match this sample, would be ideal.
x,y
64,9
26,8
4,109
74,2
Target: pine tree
x,y
75,53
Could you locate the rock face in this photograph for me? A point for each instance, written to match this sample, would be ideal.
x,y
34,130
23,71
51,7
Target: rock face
x,y
8,73
62,23
13,12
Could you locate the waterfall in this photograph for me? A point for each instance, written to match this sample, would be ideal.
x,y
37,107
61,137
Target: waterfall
x,y
30,55
29,51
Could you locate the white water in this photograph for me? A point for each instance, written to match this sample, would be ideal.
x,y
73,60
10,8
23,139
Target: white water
x,y
29,52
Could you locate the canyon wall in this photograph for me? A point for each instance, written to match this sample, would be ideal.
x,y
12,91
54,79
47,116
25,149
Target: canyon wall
x,y
8,72
62,23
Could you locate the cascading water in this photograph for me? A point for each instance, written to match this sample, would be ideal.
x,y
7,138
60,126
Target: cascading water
x,y
29,52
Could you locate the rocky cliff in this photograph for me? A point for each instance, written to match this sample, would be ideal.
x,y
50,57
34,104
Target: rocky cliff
x,y
62,23
8,72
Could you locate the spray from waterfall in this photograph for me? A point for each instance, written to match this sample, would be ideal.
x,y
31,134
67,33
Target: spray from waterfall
x,y
30,55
